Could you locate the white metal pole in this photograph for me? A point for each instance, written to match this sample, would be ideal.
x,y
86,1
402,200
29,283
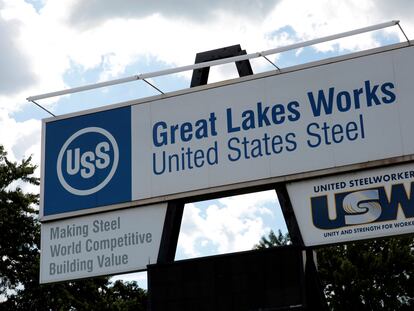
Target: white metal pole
x,y
214,62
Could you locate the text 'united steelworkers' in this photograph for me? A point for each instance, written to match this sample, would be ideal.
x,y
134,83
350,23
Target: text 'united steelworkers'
x,y
322,103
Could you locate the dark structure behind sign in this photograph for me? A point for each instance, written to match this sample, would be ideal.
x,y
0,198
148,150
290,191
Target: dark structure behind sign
x,y
176,208
273,279
269,279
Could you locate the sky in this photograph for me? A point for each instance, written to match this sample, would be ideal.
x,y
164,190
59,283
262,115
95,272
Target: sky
x,y
49,45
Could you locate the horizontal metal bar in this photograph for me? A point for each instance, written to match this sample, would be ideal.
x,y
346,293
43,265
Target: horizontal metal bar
x,y
330,38
215,62
84,88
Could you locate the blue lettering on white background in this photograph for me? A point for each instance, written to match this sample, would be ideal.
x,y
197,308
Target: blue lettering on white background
x,y
164,134
328,134
262,117
266,145
261,130
186,159
327,102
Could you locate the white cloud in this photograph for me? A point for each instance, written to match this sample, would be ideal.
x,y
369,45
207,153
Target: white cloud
x,y
44,61
93,12
131,31
20,139
227,225
14,73
318,18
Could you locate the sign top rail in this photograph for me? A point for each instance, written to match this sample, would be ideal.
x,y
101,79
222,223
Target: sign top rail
x,y
215,62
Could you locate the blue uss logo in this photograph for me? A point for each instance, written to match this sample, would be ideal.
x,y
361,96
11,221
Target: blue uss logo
x,y
363,206
87,161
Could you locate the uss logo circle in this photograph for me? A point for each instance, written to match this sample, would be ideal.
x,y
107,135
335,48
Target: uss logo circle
x,y
91,165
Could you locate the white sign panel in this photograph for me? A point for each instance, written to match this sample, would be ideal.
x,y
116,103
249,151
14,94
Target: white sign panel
x,y
355,206
102,244
333,115
320,117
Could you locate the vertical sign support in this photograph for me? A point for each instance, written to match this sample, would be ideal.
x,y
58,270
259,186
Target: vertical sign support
x,y
288,214
313,289
171,231
175,208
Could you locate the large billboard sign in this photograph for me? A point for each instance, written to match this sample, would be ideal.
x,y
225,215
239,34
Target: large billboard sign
x,y
108,243
251,131
355,206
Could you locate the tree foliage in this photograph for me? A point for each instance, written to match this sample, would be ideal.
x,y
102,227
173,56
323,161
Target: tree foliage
x,y
19,228
370,275
19,257
273,240
89,294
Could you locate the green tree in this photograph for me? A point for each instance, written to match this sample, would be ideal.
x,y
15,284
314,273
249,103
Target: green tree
x,y
89,294
369,275
19,257
19,229
272,240
127,296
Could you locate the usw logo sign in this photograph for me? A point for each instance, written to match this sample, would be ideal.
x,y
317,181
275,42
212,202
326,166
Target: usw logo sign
x,y
363,206
355,206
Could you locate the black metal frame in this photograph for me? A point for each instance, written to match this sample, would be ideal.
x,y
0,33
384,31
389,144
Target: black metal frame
x,y
175,208
314,298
